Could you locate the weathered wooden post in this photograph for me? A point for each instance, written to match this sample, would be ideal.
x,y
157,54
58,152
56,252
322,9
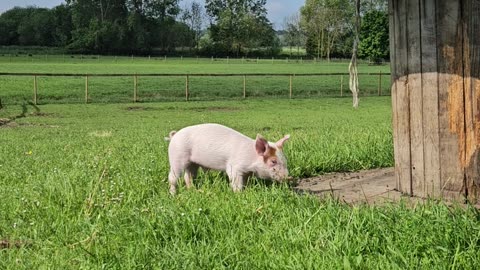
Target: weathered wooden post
x,y
187,94
35,89
244,86
380,83
435,48
86,88
135,88
290,96
341,85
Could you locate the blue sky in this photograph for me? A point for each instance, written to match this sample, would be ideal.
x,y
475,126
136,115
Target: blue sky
x,y
277,9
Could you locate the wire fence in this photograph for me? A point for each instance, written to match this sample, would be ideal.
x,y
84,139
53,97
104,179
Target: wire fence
x,y
44,88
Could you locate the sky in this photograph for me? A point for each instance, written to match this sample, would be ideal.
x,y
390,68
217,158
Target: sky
x,y
277,9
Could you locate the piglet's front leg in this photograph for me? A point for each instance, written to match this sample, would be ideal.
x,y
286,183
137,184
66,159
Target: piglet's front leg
x,y
237,179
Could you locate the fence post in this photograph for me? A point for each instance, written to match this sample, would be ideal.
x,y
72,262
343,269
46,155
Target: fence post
x,y
290,86
244,86
135,85
35,89
380,84
86,88
186,88
341,85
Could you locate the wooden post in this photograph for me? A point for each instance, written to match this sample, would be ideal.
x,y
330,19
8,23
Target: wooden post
x,y
35,90
435,48
341,85
186,88
291,86
86,88
135,88
244,86
380,83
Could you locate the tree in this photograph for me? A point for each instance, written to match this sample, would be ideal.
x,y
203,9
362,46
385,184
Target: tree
x,y
238,25
374,43
62,19
194,17
99,26
325,21
294,35
9,24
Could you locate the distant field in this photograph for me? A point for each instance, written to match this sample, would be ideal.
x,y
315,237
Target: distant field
x,y
84,187
120,89
294,51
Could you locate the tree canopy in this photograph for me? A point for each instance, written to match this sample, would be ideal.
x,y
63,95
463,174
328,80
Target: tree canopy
x,y
217,28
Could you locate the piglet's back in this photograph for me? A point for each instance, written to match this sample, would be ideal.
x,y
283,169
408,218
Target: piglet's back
x,y
210,145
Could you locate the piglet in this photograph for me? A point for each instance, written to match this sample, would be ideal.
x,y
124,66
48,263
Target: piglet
x,y
217,147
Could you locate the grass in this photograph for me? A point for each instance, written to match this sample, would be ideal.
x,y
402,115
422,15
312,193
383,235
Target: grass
x,y
84,186
15,89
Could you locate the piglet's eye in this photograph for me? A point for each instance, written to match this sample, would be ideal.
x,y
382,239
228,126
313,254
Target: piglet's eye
x,y
274,162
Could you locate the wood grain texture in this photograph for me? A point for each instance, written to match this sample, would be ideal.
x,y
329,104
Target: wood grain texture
x,y
450,89
471,66
415,94
432,181
402,106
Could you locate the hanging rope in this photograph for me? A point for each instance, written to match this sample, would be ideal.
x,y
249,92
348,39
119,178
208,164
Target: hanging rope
x,y
352,68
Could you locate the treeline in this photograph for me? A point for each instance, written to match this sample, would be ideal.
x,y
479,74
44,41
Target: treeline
x,y
218,28
325,29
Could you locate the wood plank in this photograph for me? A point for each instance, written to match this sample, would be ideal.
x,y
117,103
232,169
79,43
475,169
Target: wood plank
x,y
471,49
393,90
450,93
402,108
414,88
432,183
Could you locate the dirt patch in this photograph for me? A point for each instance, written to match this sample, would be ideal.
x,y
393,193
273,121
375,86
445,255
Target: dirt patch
x,y
214,109
4,121
13,124
371,186
135,108
42,114
4,244
374,187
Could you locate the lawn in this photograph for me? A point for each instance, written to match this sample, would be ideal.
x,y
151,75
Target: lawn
x,y
84,186
15,89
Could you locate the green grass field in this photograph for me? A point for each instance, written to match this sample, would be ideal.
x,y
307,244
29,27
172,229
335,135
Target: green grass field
x,y
15,89
84,187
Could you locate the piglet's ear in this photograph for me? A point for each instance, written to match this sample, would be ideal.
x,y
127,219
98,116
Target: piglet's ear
x,y
261,145
280,142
